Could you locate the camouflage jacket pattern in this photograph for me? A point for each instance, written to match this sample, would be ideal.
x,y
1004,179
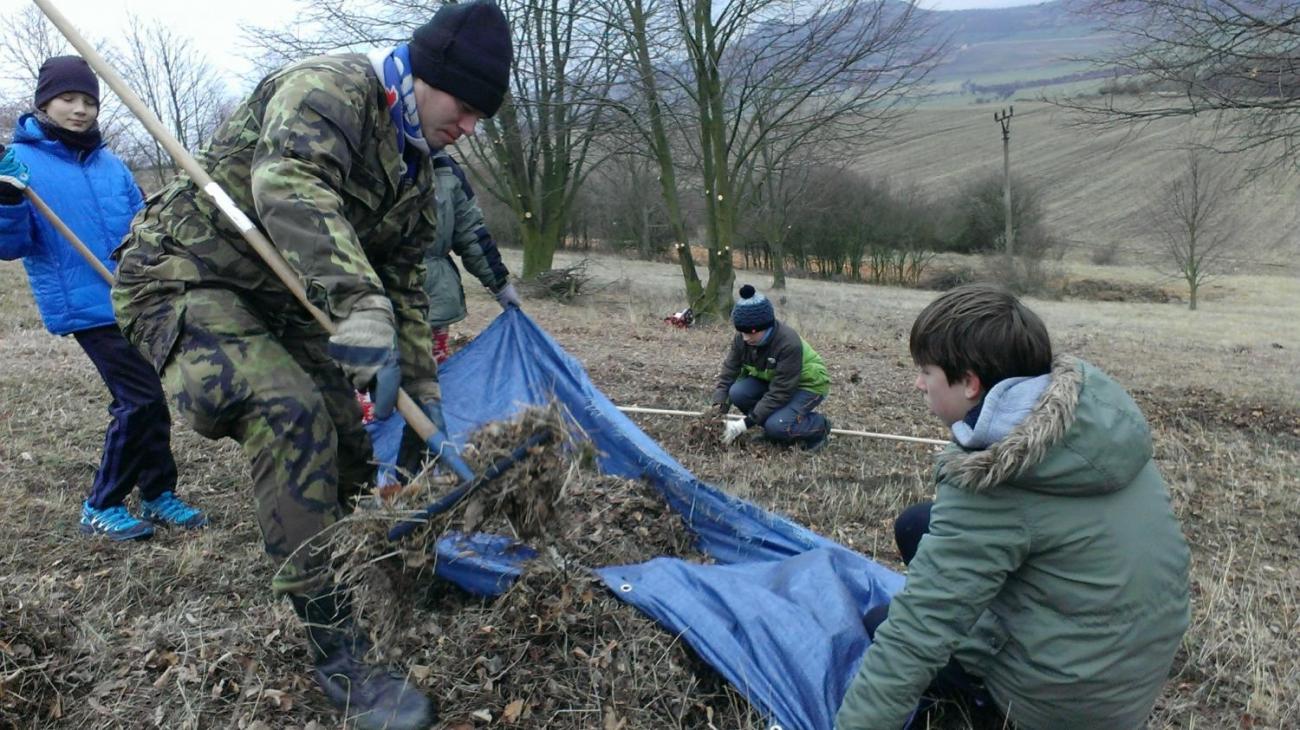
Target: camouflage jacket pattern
x,y
311,157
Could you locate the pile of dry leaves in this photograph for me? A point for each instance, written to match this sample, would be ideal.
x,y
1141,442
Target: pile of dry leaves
x,y
558,650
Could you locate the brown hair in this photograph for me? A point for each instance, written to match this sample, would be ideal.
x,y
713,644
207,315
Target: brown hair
x,y
983,329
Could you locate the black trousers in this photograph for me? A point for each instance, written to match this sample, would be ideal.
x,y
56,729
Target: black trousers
x,y
137,445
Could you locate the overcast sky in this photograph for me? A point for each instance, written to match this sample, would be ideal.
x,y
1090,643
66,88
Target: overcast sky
x,y
216,24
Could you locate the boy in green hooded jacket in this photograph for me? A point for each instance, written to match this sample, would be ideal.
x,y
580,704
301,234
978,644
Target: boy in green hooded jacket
x,y
1049,578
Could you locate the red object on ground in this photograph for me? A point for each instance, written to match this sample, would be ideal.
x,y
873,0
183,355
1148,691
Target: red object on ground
x,y
683,319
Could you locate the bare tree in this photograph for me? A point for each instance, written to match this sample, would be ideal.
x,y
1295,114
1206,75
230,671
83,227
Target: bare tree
x,y
535,153
10,110
643,103
538,149
1234,61
28,40
741,79
1194,216
177,83
623,199
778,201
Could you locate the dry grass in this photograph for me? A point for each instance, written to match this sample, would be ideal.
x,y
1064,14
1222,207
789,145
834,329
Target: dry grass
x,y
181,631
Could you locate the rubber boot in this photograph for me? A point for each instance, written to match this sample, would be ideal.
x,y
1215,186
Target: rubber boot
x,y
370,697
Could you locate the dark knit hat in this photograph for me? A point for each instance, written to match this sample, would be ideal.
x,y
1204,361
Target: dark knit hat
x,y
465,51
63,74
753,312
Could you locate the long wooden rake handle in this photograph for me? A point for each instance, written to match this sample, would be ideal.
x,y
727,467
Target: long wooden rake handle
x,y
410,411
62,227
841,431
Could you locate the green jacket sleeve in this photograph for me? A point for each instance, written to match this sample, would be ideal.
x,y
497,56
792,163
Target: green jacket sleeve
x,y
730,369
305,152
465,240
975,541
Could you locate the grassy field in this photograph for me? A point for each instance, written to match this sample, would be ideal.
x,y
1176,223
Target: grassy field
x,y
181,631
1098,186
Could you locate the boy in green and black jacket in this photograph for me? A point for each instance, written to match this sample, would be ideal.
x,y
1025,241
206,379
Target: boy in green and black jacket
x,y
1049,578
773,376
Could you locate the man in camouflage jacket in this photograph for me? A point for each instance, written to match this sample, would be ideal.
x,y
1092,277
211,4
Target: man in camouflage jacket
x,y
331,159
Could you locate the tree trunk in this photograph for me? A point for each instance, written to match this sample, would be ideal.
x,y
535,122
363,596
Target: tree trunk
x,y
664,155
539,250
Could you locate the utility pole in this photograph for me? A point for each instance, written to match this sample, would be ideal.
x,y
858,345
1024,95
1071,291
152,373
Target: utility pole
x,y
1004,118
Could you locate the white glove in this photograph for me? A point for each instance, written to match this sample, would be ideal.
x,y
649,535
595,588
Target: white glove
x,y
507,295
733,429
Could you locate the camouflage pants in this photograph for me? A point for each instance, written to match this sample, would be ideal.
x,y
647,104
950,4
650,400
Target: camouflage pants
x,y
262,377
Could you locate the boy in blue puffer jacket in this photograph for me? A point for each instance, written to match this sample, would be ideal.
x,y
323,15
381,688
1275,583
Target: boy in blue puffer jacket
x,y
58,151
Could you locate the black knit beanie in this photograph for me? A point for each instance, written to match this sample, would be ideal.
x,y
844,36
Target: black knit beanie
x,y
753,312
63,74
465,51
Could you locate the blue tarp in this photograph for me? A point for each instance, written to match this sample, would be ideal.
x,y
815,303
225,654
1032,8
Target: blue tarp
x,y
779,615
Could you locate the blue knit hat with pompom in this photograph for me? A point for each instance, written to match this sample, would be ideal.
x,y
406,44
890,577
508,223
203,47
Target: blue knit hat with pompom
x,y
753,312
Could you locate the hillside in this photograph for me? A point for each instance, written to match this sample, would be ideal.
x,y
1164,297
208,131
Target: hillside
x,y
1098,186
997,53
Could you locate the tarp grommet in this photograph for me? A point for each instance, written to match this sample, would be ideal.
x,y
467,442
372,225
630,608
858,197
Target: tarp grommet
x,y
627,588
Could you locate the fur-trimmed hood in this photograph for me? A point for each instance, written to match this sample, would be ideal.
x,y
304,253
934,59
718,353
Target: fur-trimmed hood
x,y
1084,436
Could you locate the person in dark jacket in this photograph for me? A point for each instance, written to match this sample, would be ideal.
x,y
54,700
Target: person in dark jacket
x,y
773,376
1049,577
57,150
461,230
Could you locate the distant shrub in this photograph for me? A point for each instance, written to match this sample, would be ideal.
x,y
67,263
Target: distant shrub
x,y
620,208
863,230
945,278
1106,254
1034,275
1127,86
979,225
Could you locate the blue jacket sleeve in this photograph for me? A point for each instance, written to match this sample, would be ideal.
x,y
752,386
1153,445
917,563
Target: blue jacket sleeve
x,y
17,238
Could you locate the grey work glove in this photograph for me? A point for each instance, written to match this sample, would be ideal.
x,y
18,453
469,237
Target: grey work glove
x,y
363,346
507,296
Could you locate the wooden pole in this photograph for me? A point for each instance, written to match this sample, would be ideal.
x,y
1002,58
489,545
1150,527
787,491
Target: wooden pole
x,y
840,431
62,227
410,411
1004,119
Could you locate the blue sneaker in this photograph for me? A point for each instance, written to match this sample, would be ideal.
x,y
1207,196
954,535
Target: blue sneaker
x,y
113,522
170,511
